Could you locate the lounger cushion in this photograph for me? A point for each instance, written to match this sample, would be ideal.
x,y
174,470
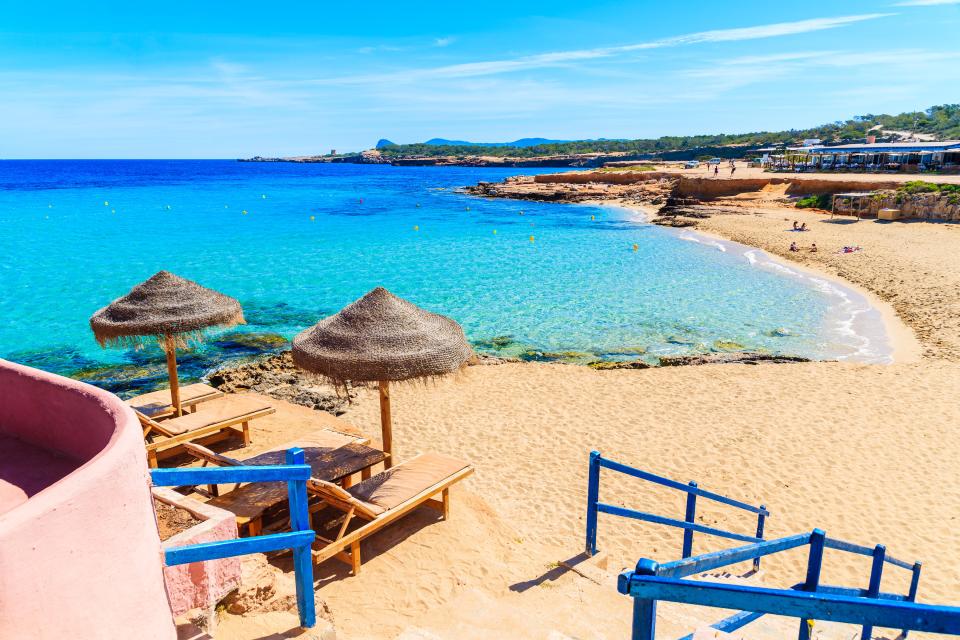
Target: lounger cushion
x,y
230,410
336,491
397,485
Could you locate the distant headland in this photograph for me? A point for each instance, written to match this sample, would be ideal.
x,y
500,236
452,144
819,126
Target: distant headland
x,y
939,122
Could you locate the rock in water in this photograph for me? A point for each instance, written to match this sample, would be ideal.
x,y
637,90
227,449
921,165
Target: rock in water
x,y
606,365
728,358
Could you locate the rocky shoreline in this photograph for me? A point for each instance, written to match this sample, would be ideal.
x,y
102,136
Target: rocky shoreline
x,y
658,193
276,376
373,156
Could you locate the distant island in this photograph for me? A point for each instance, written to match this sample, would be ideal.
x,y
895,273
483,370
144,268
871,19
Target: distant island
x,y
443,142
940,122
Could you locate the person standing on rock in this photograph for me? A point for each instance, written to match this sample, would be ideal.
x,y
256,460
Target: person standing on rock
x,y
716,170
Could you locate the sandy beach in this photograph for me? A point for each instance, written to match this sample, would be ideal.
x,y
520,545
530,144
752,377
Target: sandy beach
x,y
826,444
913,266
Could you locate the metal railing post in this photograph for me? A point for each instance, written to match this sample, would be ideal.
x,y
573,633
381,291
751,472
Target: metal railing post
x,y
814,564
593,496
912,594
644,610
873,590
760,522
302,560
690,517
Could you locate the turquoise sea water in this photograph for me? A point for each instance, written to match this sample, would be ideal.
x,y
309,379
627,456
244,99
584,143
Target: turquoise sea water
x,y
76,234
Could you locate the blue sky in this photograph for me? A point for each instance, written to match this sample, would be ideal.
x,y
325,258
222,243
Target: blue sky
x,y
216,79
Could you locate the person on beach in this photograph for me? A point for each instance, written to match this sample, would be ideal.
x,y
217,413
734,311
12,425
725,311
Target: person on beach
x,y
813,248
716,170
794,247
803,227
733,168
796,226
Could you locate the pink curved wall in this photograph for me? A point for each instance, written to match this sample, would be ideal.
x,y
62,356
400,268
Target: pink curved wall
x,y
80,558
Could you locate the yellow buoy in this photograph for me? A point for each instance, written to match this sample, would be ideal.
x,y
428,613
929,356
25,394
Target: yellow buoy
x,y
312,218
531,238
263,195
416,227
635,247
593,217
244,212
494,232
106,204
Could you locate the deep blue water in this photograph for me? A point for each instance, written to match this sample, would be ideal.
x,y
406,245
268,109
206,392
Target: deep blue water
x,y
296,242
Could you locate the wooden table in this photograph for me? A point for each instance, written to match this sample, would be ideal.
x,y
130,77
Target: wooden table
x,y
332,465
250,502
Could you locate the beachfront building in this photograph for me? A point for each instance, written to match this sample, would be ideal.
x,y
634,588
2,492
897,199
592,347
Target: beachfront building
x,y
906,157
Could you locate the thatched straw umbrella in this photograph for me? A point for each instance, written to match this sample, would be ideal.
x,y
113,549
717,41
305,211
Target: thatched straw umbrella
x,y
382,338
170,309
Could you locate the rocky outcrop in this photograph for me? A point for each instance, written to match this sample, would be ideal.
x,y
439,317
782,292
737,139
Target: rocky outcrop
x,y
708,188
926,206
728,358
607,365
650,192
277,377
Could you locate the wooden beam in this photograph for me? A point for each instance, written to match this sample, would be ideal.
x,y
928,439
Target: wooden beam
x,y
170,347
386,425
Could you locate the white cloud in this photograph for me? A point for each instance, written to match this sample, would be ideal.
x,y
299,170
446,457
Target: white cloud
x,y
444,42
560,58
765,31
925,3
900,67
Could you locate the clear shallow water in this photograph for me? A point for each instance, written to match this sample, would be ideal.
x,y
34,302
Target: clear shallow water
x,y
76,234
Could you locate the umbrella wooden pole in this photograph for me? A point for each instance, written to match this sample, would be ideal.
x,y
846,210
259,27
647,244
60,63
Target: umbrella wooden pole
x,y
171,349
385,423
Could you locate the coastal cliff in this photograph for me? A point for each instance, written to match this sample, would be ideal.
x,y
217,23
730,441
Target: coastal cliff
x,y
682,196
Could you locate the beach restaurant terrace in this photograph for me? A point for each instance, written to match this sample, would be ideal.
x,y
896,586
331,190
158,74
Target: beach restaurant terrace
x,y
906,157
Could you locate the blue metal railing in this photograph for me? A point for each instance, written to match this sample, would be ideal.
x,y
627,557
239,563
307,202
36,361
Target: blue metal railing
x,y
295,473
808,600
651,582
818,542
688,524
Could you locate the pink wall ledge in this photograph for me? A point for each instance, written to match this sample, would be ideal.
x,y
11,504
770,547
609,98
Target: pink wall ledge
x,y
80,556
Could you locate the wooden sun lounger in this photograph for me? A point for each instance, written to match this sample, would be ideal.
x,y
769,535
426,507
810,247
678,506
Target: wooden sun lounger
x,y
250,502
386,497
157,404
227,414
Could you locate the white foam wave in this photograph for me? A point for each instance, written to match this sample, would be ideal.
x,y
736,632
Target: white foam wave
x,y
853,329
848,322
704,241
